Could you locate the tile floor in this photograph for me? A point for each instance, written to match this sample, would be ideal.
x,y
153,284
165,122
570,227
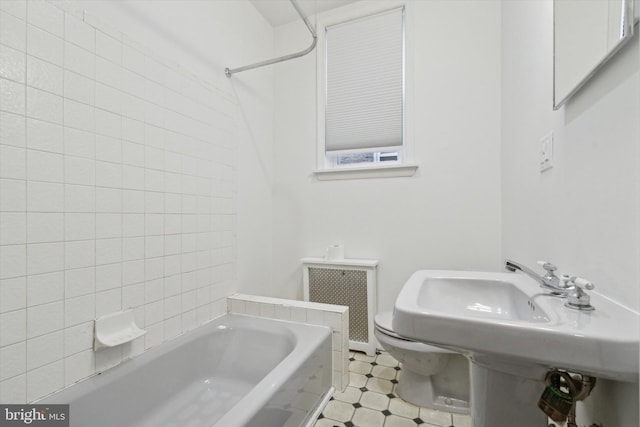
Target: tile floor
x,y
370,400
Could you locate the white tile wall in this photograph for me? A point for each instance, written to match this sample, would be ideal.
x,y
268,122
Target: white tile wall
x,y
334,316
116,191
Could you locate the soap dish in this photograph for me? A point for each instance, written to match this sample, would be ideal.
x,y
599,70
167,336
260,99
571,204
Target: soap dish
x,y
115,329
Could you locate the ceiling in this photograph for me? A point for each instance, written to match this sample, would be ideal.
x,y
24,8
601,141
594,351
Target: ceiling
x,y
278,12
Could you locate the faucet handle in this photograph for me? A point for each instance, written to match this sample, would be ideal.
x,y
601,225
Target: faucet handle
x,y
547,266
576,297
579,281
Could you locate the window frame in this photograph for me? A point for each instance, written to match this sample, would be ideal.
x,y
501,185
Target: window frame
x,y
326,164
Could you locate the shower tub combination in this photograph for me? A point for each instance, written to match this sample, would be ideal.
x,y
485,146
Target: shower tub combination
x,y
234,371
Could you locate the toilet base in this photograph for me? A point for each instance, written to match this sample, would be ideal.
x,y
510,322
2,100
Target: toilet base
x,y
420,391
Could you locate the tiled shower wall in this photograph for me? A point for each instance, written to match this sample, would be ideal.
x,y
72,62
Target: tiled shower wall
x,y
116,190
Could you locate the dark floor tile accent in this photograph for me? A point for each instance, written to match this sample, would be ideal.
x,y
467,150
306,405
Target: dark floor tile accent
x,y
418,421
386,412
357,405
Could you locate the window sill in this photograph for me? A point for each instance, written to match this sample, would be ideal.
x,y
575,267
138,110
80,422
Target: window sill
x,y
367,172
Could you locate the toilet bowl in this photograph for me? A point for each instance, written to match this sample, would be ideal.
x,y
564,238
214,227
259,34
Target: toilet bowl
x,y
430,377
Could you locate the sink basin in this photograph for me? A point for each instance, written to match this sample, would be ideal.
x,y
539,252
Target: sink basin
x,y
478,298
506,321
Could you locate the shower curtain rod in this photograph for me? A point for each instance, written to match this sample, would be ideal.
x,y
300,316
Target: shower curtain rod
x,y
228,72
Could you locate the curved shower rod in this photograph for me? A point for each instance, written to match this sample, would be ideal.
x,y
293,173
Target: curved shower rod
x,y
228,72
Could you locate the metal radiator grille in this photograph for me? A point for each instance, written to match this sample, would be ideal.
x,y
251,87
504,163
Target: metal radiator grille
x,y
343,287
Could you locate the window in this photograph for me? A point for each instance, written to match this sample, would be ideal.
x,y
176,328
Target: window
x,y
363,84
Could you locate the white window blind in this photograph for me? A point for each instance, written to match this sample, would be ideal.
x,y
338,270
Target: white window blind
x,y
365,84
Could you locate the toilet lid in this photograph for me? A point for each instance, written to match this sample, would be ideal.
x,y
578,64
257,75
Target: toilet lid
x,y
383,321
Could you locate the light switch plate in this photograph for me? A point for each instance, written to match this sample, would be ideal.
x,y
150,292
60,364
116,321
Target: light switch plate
x,y
546,152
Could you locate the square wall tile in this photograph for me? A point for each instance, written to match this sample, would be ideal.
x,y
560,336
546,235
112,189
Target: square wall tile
x,y
13,294
79,366
79,254
13,31
79,226
44,319
79,60
13,327
45,257
80,281
12,64
108,47
45,380
80,198
108,251
45,197
44,136
44,105
12,129
45,288
12,195
13,261
109,73
108,276
15,8
79,33
44,349
45,227
108,301
78,115
78,338
13,360
43,166
44,45
44,75
78,170
79,310
46,16
79,143
79,88
108,225
13,228
14,390
13,162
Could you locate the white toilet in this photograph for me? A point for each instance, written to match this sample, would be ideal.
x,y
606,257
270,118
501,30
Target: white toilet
x,y
431,377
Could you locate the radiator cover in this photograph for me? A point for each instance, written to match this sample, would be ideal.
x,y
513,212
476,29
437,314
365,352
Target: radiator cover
x,y
351,283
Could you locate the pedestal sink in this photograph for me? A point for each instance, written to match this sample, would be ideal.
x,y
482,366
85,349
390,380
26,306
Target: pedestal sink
x,y
513,333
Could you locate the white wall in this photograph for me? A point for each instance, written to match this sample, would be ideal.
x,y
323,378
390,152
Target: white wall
x,y
124,159
448,215
583,214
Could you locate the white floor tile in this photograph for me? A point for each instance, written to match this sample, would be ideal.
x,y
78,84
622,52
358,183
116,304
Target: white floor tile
x,y
371,400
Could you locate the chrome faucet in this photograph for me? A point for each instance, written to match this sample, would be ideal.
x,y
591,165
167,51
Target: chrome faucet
x,y
549,281
570,287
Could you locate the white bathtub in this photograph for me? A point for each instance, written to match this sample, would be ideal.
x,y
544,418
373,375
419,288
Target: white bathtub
x,y
234,371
